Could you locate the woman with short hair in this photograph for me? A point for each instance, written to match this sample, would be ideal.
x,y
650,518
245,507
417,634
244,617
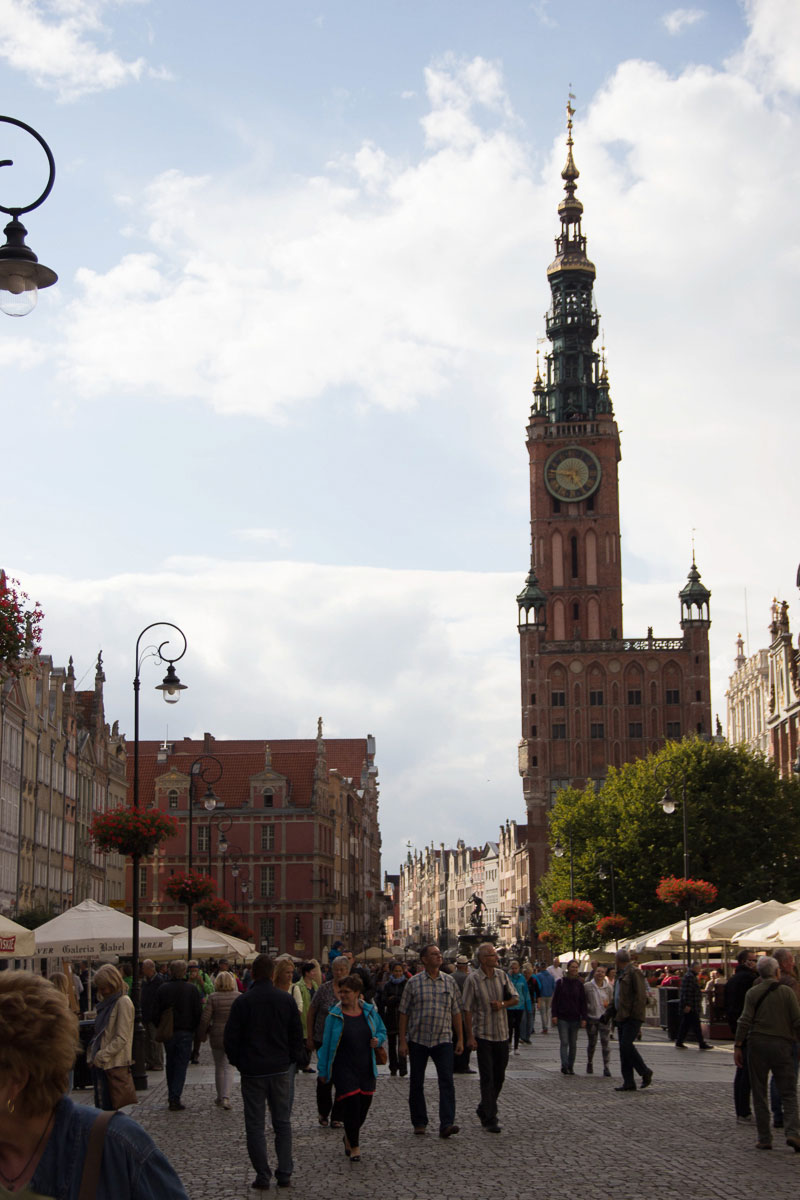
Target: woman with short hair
x,y
353,1032
216,1010
44,1135
112,1042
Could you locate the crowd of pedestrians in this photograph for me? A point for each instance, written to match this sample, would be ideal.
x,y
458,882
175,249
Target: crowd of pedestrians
x,y
267,1022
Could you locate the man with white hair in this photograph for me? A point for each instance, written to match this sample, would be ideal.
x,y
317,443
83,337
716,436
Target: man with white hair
x,y
770,1025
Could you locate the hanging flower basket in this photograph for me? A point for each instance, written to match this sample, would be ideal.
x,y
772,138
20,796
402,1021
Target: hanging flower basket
x,y
573,910
686,893
131,831
20,628
548,937
212,910
613,926
189,887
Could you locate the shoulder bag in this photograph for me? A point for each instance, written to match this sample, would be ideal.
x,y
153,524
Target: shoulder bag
x,y
120,1087
166,1026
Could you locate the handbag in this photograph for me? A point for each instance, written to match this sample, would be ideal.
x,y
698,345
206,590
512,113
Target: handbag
x,y
381,1057
120,1087
166,1026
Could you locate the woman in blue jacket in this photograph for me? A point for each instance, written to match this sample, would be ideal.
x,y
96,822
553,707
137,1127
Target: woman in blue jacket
x,y
353,1032
516,1013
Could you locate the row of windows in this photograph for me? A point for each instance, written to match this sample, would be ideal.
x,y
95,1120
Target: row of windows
x,y
597,730
267,798
559,699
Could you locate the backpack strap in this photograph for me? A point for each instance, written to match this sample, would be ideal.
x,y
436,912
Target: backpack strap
x,y
94,1156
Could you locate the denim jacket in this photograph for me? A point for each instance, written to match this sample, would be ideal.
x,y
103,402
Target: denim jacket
x,y
133,1168
334,1024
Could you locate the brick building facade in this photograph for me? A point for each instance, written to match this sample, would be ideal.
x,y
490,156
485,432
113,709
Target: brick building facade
x,y
293,843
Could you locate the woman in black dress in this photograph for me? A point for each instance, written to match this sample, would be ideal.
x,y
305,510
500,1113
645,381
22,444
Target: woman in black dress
x,y
353,1032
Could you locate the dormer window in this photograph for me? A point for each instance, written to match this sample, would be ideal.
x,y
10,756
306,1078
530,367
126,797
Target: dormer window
x,y
268,797
172,798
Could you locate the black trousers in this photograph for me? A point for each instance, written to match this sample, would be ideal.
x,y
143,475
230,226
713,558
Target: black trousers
x,y
515,1016
492,1062
353,1111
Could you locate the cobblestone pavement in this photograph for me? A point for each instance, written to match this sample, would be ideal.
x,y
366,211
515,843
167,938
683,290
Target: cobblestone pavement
x,y
680,1135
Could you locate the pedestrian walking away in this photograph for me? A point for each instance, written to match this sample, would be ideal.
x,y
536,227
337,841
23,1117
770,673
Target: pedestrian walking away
x,y
547,985
263,1039
599,1007
430,1009
152,980
216,1011
770,1025
786,976
487,993
569,1014
630,1005
184,1000
353,1032
690,1000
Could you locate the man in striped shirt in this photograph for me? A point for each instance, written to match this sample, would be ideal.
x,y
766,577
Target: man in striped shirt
x,y
430,1009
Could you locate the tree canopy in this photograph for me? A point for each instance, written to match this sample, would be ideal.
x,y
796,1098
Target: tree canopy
x,y
743,833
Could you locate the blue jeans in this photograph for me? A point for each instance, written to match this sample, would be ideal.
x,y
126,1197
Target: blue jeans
x,y
179,1051
630,1059
442,1056
568,1036
275,1091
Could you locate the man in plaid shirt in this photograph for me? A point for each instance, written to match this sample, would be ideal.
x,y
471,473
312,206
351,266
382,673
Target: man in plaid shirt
x,y
430,1009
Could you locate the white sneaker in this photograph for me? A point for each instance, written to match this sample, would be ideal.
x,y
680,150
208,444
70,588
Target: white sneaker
x,y
226,1103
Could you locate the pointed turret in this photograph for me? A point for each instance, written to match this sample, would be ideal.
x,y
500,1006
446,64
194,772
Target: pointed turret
x,y
574,387
694,595
532,600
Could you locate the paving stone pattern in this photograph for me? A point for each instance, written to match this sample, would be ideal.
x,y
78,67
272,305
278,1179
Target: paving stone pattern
x,y
561,1136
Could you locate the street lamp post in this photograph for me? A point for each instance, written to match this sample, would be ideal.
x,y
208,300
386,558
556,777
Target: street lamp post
x,y
209,769
667,802
21,273
225,823
170,688
559,852
605,873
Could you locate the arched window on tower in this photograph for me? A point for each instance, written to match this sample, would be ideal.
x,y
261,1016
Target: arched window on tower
x,y
591,558
557,547
593,615
558,620
573,551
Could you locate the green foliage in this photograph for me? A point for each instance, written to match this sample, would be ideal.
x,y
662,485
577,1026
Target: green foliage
x,y
743,825
32,918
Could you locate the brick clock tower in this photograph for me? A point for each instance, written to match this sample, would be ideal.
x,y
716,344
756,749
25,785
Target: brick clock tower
x,y
590,696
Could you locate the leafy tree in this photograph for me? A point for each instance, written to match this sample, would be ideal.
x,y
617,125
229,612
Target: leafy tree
x,y
32,918
743,824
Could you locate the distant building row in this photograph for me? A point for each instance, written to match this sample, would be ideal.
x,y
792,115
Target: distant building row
x,y
436,890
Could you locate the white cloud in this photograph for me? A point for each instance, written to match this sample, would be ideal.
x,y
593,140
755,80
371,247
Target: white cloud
x,y
276,536
55,43
439,693
771,54
682,18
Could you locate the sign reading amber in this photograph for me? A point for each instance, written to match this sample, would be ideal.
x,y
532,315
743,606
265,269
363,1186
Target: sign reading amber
x,y
572,473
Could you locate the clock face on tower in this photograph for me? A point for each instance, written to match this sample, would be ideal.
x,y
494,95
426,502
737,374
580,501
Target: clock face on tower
x,y
572,473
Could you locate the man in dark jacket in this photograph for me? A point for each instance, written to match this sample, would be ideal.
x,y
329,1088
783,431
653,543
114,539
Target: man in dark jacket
x,y
388,999
264,1040
690,999
630,1005
152,980
184,1000
736,989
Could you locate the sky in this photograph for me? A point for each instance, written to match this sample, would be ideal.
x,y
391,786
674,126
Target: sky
x,y
278,396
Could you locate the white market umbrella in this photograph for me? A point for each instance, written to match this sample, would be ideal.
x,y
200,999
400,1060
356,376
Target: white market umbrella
x,y
237,947
15,940
90,929
724,925
204,942
782,931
